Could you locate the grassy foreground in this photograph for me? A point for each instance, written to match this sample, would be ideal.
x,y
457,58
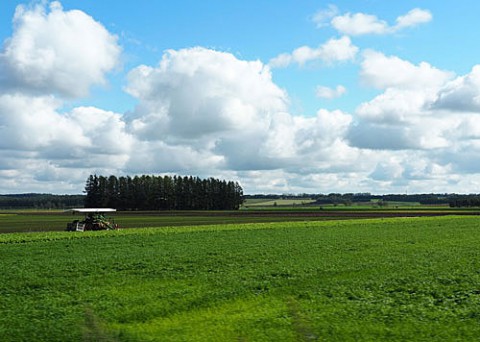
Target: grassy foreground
x,y
357,280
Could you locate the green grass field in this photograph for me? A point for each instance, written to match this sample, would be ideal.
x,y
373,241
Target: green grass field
x,y
266,202
401,279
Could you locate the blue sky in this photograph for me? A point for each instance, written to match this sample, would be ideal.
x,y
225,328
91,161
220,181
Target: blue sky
x,y
284,96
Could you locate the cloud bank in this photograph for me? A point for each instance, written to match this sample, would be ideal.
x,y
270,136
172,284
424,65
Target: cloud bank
x,y
199,110
210,113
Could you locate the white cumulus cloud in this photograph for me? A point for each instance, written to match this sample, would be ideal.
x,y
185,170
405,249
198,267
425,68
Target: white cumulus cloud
x,y
383,72
461,94
53,56
358,24
414,17
35,124
334,50
196,93
210,106
40,143
56,51
321,18
330,93
425,117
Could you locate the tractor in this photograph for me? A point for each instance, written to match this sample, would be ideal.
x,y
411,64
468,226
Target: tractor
x,y
94,220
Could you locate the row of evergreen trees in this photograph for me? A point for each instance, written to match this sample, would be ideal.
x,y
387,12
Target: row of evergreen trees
x,y
162,193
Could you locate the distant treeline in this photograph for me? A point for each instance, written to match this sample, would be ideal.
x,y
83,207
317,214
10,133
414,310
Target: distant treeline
x,y
454,200
425,199
167,194
162,193
41,201
465,201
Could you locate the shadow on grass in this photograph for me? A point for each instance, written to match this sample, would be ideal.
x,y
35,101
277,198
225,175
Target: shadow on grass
x,y
94,330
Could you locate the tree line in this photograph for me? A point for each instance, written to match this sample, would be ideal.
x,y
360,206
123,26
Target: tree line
x,y
465,201
349,198
40,201
454,200
162,193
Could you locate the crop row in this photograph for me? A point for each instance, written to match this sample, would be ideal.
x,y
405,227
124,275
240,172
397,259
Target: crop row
x,y
31,221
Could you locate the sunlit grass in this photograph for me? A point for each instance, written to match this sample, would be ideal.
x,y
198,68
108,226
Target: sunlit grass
x,y
363,280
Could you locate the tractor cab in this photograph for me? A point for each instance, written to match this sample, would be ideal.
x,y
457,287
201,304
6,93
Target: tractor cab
x,y
94,219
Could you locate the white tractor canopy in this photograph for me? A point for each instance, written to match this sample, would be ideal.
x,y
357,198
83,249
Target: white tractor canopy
x,y
92,210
